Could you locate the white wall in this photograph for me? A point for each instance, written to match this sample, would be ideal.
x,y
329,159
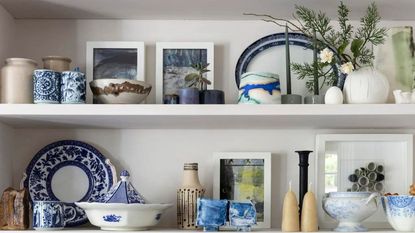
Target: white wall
x,y
7,28
6,156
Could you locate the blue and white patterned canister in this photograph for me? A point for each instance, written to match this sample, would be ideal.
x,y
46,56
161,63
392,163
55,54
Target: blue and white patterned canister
x,y
73,87
46,87
48,215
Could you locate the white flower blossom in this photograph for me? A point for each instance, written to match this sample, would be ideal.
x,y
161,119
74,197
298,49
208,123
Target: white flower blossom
x,y
326,55
347,68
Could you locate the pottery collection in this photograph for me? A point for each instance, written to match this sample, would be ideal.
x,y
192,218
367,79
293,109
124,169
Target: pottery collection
x,y
16,81
350,209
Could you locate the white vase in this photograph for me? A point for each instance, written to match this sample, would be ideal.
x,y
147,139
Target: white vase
x,y
366,86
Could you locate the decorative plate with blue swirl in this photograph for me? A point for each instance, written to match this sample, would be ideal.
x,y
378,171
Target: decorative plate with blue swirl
x,y
69,154
270,41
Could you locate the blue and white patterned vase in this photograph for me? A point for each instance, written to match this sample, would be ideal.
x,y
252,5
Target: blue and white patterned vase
x,y
400,212
73,87
242,215
211,214
46,87
51,215
259,88
123,192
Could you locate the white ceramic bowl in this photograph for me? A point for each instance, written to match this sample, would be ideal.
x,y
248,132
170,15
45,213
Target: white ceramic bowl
x,y
123,217
350,209
119,91
400,211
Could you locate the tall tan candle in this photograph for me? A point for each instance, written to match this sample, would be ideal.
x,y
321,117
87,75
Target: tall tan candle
x,y
290,215
309,218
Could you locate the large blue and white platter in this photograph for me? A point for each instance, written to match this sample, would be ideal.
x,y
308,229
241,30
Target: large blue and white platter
x,y
69,171
267,54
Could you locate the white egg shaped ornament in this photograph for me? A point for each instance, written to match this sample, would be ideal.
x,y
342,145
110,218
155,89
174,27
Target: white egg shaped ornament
x,y
334,95
366,86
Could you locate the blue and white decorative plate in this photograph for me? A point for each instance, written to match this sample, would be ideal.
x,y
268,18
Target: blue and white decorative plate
x,y
300,50
69,171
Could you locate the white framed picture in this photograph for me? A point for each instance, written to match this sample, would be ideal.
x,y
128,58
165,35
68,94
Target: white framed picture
x,y
115,60
342,159
245,176
174,61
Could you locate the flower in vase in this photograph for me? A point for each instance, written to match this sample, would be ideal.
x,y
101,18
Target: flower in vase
x,y
346,68
326,55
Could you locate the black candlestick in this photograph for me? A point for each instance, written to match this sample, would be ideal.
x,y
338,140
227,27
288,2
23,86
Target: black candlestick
x,y
303,155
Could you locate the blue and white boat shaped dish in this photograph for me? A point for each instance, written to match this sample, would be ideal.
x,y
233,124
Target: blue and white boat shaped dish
x,y
123,209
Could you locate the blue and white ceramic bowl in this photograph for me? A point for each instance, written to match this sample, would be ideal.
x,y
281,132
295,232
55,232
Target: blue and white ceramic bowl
x,y
73,87
259,88
46,86
400,211
350,209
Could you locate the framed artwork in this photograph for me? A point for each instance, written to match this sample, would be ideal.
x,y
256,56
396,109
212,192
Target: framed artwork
x,y
174,61
115,60
245,176
384,161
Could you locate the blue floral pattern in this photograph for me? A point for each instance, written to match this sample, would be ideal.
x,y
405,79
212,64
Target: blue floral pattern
x,y
46,86
112,218
73,87
399,206
47,161
48,215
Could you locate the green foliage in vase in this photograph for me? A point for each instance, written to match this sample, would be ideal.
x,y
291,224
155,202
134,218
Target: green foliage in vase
x,y
351,48
197,79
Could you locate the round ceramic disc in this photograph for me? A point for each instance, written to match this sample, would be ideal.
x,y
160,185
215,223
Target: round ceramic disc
x,y
69,171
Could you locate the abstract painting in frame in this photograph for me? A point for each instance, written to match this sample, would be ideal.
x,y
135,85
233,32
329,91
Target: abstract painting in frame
x,y
245,176
174,61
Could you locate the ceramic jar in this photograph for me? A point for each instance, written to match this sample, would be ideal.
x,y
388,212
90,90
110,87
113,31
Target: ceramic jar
x,y
46,87
189,95
400,212
366,86
350,209
16,84
212,97
187,196
259,88
73,87
211,214
56,63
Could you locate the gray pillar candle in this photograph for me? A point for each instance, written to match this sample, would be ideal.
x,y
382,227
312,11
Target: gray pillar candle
x,y
316,85
287,61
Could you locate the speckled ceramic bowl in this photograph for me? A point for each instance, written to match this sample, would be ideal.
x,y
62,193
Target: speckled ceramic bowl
x,y
119,91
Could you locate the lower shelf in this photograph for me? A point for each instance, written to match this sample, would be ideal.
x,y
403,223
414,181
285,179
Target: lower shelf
x,y
170,230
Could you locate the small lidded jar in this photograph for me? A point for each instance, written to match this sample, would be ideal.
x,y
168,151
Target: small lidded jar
x,y
56,63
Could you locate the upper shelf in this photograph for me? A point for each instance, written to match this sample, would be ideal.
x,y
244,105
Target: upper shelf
x,y
209,116
193,9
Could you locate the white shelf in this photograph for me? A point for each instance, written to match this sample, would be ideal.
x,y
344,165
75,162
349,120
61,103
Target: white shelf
x,y
193,9
381,116
86,230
